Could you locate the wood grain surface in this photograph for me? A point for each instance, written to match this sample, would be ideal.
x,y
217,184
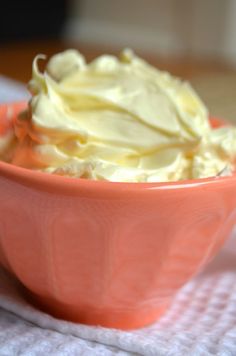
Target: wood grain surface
x,y
214,81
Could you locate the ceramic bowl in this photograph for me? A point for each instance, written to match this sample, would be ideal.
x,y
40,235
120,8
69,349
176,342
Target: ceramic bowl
x,y
103,253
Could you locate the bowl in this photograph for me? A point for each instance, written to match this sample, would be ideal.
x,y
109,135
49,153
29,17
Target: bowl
x,y
109,254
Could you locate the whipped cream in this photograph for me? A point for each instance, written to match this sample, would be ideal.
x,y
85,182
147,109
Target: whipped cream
x,y
118,119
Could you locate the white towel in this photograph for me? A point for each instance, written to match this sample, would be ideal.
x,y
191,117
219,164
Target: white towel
x,y
200,322
10,90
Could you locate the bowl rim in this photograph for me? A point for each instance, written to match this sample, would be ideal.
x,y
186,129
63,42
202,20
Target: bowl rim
x,y
29,176
51,181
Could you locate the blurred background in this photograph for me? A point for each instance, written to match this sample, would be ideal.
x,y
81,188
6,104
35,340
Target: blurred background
x,y
194,39
177,27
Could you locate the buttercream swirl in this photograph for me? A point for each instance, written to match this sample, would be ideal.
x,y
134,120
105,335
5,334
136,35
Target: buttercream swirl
x,y
118,119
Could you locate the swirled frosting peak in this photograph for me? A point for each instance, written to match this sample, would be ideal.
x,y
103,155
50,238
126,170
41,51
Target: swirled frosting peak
x,y
118,119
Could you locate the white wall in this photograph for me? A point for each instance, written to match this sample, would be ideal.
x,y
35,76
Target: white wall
x,y
198,27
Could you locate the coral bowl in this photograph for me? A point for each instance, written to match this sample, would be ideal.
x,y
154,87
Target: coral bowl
x,y
110,254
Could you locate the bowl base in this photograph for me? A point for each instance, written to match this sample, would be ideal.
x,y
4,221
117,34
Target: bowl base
x,y
109,318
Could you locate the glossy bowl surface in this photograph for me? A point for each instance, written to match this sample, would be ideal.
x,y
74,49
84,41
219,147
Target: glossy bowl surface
x,y
110,254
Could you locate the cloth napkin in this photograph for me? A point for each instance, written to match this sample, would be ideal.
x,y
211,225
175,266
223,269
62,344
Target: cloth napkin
x,y
11,90
200,322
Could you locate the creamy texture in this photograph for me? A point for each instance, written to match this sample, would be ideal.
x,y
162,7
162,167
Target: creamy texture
x,y
118,119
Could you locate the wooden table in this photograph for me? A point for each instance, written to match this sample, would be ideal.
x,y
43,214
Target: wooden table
x,y
16,59
215,81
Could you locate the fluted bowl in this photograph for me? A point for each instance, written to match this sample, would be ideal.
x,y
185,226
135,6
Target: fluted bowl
x,y
103,253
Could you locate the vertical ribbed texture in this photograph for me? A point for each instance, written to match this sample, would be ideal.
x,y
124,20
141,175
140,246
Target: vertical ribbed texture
x,y
200,321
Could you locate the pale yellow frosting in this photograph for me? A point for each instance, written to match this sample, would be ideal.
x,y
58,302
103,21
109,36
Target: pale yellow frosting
x,y
118,119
